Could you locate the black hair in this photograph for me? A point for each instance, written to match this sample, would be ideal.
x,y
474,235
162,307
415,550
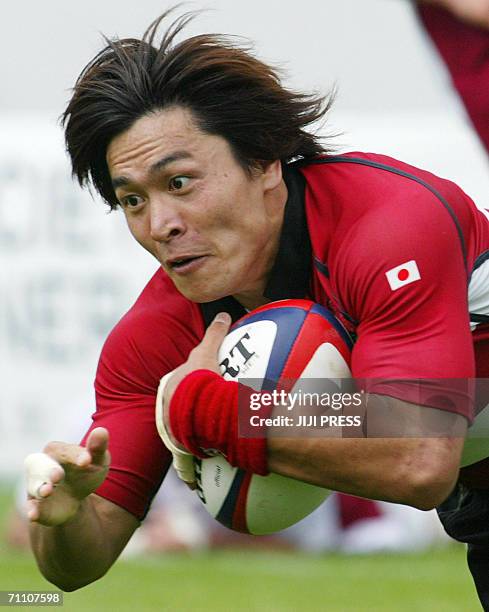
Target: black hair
x,y
229,92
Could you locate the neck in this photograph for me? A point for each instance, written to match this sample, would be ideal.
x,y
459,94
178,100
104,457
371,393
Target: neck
x,y
254,298
251,301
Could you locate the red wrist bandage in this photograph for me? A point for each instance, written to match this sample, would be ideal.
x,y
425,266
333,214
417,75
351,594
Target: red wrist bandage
x,y
204,415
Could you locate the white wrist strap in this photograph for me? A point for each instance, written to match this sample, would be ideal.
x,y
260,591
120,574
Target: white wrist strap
x,y
183,462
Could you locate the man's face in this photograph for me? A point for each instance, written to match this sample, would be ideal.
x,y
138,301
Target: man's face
x,y
212,226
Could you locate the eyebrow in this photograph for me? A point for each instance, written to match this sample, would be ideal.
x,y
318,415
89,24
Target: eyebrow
x,y
120,181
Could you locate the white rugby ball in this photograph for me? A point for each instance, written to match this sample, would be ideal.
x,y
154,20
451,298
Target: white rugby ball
x,y
282,340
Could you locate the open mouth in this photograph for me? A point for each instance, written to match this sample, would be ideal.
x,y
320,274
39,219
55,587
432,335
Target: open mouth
x,y
180,264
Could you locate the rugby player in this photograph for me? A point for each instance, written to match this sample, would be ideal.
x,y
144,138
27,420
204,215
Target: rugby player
x,y
218,172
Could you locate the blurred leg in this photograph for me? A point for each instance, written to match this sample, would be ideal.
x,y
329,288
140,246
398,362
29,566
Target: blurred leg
x,y
478,560
465,517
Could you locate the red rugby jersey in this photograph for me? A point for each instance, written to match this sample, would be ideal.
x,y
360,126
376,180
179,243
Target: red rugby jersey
x,y
404,255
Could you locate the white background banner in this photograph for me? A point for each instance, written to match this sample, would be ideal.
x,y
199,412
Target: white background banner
x,y
68,272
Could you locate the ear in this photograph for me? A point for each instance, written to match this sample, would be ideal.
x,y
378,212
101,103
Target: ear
x,y
272,175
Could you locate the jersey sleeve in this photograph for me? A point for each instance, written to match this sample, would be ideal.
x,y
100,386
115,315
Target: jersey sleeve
x,y
407,286
139,351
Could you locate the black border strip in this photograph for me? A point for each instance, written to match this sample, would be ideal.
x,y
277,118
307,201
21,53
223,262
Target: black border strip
x,y
483,257
323,268
479,318
474,317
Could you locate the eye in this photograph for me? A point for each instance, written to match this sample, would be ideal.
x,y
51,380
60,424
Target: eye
x,y
131,201
178,182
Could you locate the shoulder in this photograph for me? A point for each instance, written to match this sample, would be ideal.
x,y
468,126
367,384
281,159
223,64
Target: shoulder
x,y
384,218
423,242
152,338
374,169
386,199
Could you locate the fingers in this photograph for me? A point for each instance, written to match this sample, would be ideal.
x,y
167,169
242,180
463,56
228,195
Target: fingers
x,y
32,510
78,470
45,489
216,333
96,446
67,454
222,319
54,508
42,472
94,452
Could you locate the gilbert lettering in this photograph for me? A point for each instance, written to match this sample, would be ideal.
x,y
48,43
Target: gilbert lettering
x,y
232,364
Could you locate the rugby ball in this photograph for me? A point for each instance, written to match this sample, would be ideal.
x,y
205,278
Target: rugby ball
x,y
279,342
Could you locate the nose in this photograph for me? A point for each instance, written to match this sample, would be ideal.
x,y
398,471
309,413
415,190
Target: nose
x,y
165,221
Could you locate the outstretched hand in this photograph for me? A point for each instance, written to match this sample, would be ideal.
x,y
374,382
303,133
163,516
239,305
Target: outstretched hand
x,y
63,475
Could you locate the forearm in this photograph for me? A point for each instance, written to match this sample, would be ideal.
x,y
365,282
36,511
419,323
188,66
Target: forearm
x,y
410,453
77,552
397,470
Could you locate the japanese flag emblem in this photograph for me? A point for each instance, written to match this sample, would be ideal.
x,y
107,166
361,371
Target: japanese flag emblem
x,y
402,275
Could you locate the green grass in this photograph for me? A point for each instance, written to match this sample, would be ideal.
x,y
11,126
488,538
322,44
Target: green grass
x,y
263,582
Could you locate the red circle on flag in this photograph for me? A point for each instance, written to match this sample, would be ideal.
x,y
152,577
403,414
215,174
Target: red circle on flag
x,y
403,274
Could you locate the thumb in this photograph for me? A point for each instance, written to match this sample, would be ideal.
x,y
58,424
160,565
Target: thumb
x,y
97,445
216,332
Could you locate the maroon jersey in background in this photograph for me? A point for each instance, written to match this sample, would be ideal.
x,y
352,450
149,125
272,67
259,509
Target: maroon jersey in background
x,y
465,50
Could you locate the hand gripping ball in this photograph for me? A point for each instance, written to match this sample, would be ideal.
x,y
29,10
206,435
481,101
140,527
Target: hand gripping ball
x,y
281,341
